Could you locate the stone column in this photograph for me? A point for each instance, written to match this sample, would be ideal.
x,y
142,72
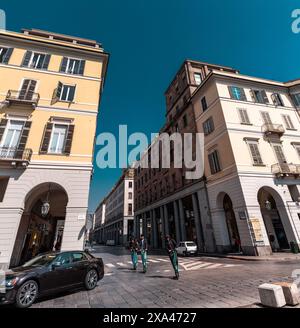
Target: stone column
x,y
182,220
197,217
145,224
154,230
166,219
206,221
177,223
163,230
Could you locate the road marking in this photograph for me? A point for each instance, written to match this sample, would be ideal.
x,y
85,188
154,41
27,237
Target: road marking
x,y
108,274
214,266
153,261
163,260
167,270
121,264
110,265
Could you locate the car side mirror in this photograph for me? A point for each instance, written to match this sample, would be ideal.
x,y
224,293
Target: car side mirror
x,y
55,265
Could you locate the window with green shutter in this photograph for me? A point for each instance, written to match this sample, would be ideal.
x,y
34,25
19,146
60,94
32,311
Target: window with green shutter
x,y
5,54
36,60
72,66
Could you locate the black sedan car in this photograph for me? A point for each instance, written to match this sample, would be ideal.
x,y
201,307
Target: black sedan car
x,y
50,273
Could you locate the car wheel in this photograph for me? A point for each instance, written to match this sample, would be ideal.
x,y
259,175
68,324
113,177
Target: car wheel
x,y
91,279
184,253
27,294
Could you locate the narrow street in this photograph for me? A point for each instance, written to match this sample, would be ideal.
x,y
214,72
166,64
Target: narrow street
x,y
204,283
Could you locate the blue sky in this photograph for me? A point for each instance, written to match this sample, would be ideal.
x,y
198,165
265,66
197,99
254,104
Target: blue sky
x,y
148,41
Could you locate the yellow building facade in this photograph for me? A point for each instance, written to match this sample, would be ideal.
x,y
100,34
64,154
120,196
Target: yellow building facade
x,y
50,90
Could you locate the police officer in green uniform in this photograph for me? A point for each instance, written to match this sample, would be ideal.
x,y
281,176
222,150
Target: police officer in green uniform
x,y
171,248
143,246
134,247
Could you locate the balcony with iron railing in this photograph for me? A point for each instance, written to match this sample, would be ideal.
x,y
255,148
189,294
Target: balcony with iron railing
x,y
271,129
15,156
21,98
284,170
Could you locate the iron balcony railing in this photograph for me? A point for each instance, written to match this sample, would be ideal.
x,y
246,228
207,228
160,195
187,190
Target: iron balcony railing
x,y
25,98
284,169
273,129
15,154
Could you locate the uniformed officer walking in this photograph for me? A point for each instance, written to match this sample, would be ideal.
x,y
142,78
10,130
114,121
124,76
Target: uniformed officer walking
x,y
171,248
134,247
143,246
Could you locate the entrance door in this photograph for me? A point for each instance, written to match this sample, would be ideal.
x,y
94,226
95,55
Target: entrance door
x,y
232,227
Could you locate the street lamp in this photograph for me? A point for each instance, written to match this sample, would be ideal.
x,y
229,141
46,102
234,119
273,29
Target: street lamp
x,y
46,205
268,205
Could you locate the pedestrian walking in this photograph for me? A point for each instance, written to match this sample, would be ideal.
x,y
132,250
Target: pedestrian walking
x,y
134,247
143,246
171,248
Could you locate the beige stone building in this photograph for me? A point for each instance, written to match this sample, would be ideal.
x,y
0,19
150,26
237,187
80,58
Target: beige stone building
x,y
50,89
248,199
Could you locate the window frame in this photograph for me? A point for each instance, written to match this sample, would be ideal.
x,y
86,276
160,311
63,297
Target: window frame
x,y
51,138
216,168
208,126
62,89
67,66
288,122
204,104
260,92
242,97
241,113
257,160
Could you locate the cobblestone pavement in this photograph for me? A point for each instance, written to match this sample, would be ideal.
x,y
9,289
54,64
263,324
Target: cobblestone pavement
x,y
204,283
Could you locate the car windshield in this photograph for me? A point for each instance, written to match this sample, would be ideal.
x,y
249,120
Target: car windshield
x,y
190,244
40,260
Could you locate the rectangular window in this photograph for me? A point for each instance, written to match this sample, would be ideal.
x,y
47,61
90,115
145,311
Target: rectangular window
x,y
277,100
237,93
27,89
204,104
185,121
130,195
11,139
244,116
5,54
266,117
279,153
72,66
130,184
129,209
58,139
65,92
208,126
296,99
198,78
288,122
36,60
214,162
260,96
255,153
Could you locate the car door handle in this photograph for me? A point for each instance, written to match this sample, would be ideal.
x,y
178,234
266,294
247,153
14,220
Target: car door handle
x,y
69,268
